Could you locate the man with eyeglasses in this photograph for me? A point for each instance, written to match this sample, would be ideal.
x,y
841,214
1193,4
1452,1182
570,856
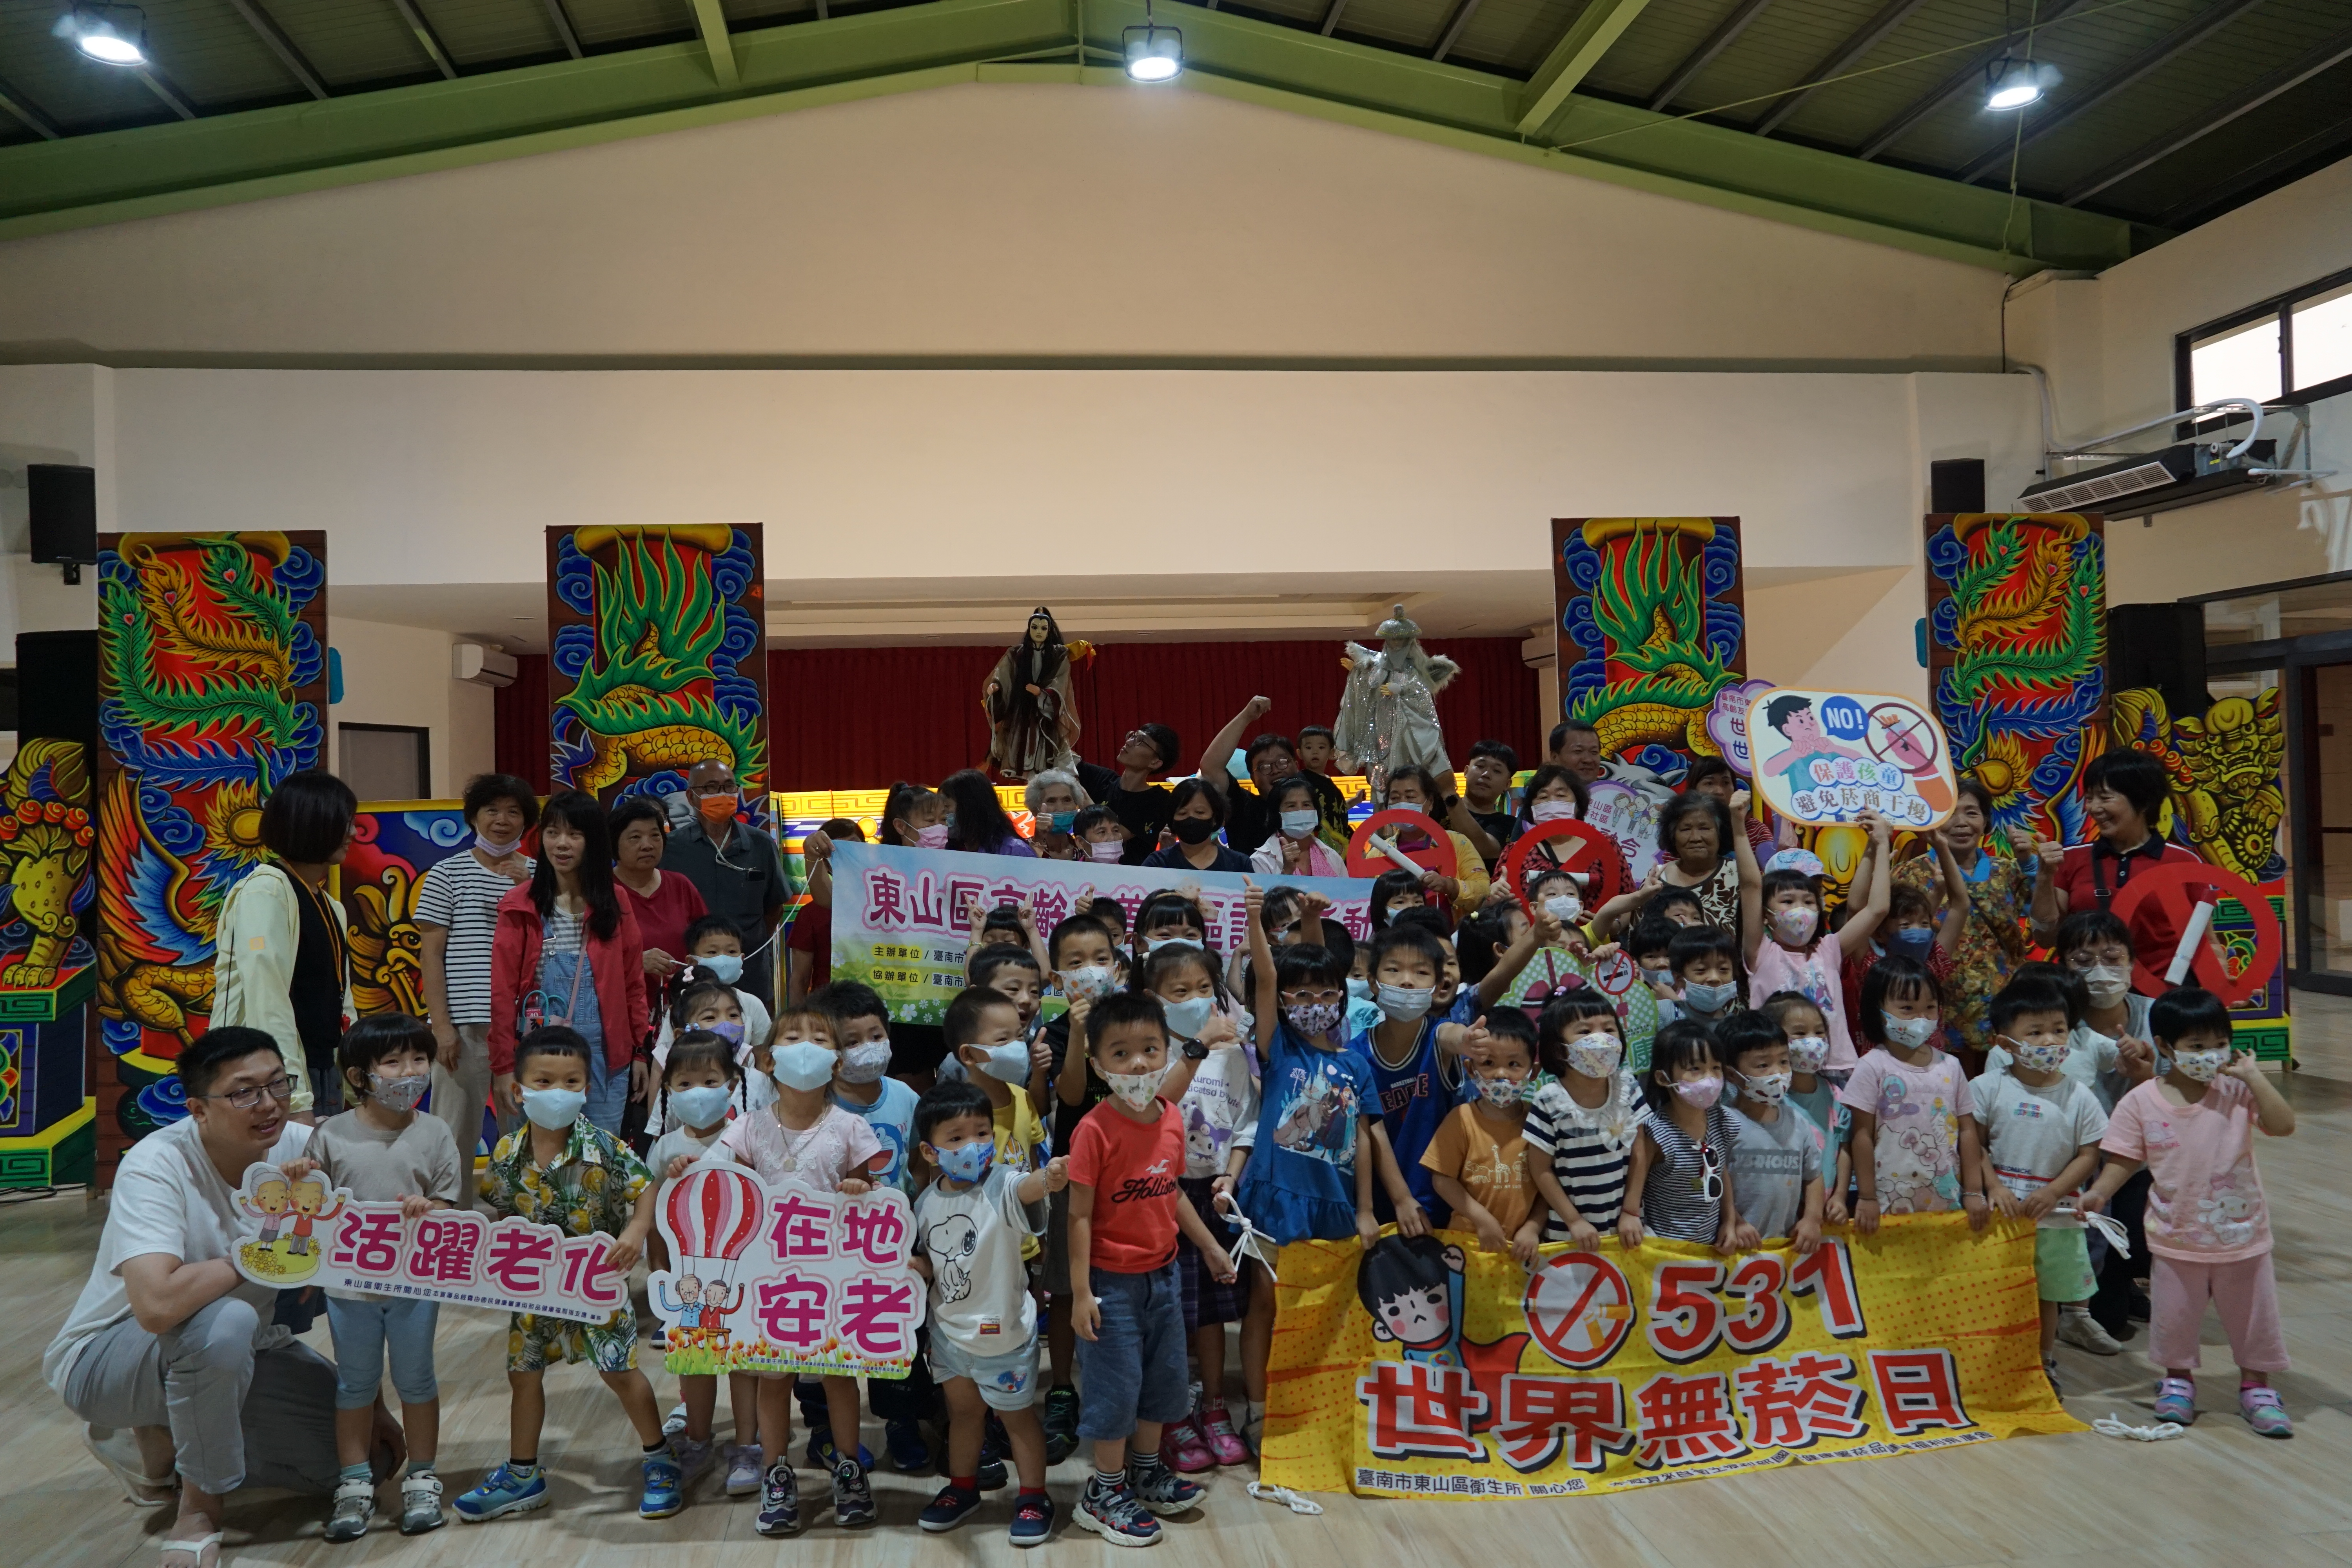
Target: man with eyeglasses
x,y
736,868
1142,807
171,1355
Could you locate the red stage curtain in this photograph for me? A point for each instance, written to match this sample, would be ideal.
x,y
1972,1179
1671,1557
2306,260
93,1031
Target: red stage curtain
x,y
519,731
853,718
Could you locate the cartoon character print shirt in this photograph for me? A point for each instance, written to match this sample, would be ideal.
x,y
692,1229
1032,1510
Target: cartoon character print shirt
x,y
1918,1140
2205,1203
973,1239
1307,1126
1221,1101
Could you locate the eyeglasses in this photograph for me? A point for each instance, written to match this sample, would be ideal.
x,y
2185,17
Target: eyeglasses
x,y
279,1089
1710,1185
1309,998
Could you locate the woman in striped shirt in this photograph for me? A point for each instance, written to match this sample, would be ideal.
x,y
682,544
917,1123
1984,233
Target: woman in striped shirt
x,y
1581,1130
1682,1161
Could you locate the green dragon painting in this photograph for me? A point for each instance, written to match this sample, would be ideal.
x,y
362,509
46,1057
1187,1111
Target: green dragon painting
x,y
1651,631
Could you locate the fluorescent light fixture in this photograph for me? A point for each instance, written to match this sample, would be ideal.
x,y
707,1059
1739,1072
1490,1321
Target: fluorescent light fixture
x,y
2012,83
1153,53
110,35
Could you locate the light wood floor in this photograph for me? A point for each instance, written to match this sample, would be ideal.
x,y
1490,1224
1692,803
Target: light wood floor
x,y
2219,1495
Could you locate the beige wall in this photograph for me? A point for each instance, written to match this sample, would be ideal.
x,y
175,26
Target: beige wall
x,y
400,675
1004,221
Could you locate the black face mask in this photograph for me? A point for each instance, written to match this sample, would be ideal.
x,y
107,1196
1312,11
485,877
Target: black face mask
x,y
1193,829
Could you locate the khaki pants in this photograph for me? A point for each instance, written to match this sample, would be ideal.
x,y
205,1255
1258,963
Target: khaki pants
x,y
459,1098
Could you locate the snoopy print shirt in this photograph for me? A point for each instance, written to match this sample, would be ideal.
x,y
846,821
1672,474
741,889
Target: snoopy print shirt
x,y
1917,1144
973,1239
2205,1203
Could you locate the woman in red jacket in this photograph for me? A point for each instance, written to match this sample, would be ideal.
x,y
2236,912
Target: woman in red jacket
x,y
567,951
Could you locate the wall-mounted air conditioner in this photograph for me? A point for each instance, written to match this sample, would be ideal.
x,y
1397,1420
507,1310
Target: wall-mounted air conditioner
x,y
478,666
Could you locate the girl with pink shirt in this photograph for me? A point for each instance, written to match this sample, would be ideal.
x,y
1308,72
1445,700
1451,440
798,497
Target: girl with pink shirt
x,y
1787,950
1914,1120
2209,1229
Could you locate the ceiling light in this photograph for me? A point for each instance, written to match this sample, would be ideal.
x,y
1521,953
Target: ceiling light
x,y
110,35
1154,53
2012,83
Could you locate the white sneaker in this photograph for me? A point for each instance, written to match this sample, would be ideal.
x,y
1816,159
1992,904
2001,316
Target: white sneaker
x,y
420,1504
2076,1327
673,1423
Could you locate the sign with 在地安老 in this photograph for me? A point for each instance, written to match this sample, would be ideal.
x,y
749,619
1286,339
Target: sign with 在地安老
x,y
302,1230
1822,757
772,1278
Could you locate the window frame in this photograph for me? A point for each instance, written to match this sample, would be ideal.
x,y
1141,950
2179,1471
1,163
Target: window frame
x,y
2279,308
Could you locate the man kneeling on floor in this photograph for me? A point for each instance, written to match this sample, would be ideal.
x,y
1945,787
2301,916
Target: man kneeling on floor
x,y
171,1355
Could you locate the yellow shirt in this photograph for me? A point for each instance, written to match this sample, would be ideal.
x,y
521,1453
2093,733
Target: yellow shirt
x,y
1019,1138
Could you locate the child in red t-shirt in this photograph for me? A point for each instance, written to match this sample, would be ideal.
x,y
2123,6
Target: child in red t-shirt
x,y
1127,1303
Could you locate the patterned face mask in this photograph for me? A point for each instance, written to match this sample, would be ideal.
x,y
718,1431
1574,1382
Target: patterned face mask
x,y
2202,1066
2039,1055
1595,1054
1314,1018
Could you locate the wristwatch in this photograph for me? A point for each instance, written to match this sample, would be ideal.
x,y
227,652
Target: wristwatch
x,y
1194,1051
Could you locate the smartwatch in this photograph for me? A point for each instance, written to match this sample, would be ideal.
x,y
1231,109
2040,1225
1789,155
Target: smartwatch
x,y
1194,1051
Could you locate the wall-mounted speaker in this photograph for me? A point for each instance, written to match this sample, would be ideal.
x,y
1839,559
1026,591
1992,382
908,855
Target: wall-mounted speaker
x,y
64,509
1957,484
2161,645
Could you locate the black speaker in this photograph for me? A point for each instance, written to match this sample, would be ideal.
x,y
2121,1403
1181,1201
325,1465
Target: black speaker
x,y
2161,645
64,506
1955,484
57,686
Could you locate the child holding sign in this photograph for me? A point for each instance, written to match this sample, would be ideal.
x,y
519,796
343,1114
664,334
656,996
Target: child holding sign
x,y
565,1171
1786,948
384,1152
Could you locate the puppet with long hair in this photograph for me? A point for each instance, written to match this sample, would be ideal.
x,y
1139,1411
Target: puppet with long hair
x,y
1032,717
1388,711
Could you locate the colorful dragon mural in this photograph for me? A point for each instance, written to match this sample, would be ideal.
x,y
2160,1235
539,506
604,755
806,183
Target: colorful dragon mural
x,y
46,890
660,657
212,670
2017,657
393,846
1651,630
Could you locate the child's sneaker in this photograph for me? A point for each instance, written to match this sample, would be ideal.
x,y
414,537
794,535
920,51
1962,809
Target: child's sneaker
x,y
853,1496
903,1445
994,1444
1113,1511
2050,1371
673,1423
822,1455
1060,1417
420,1504
354,1507
662,1496
2076,1327
1216,1427
2264,1413
1181,1448
1161,1489
780,1502
2175,1400
503,1491
1033,1518
950,1509
693,1457
742,1468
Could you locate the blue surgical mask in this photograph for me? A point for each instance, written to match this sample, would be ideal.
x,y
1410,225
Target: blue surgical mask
x,y
726,968
1703,997
1298,824
1007,1063
1059,821
804,1065
1359,988
553,1108
1186,1019
702,1106
969,1164
1912,944
1402,1003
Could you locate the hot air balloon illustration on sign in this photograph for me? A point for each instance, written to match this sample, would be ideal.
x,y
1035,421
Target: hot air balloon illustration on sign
x,y
709,1218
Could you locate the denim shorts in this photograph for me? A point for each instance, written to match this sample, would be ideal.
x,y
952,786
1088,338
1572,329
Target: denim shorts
x,y
1007,1382
1133,1369
364,1329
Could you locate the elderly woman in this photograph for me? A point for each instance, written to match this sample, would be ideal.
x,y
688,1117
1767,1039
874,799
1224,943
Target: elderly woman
x,y
1994,943
663,902
1054,797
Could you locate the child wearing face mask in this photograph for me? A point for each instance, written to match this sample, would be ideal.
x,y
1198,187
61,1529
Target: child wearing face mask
x,y
805,1138
2208,1223
1219,1106
1704,961
1099,836
2040,1131
913,818
1393,892
973,1227
1580,1128
698,1002
1416,1069
1478,1162
1776,1156
1786,948
1915,1128
2108,1045
714,951
701,1087
1813,1094
384,1152
1911,931
1684,1153
1015,974
1085,963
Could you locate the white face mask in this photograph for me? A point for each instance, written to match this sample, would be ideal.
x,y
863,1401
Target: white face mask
x,y
1766,1087
1501,1092
1090,982
2108,983
866,1063
705,1105
1136,1089
1564,908
2039,1055
2202,1066
804,1065
1808,1052
1298,824
1552,811
1402,1003
1910,1033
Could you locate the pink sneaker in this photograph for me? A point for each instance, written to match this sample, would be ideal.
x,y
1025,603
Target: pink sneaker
x,y
1215,1424
1182,1450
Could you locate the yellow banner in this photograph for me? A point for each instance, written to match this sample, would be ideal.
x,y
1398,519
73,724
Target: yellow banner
x,y
1427,1368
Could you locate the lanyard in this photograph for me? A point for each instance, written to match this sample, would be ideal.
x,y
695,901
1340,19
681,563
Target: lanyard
x,y
326,913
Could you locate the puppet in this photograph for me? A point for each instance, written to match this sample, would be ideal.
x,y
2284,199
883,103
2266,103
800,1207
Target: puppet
x,y
1033,719
1388,713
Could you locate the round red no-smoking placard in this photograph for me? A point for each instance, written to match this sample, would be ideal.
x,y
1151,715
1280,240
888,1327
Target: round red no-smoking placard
x,y
2178,886
1595,859
1436,854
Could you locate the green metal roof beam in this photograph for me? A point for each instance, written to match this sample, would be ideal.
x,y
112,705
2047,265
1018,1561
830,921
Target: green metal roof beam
x,y
1590,36
712,21
353,137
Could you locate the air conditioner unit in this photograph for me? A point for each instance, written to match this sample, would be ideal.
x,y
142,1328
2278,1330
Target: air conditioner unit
x,y
478,666
2158,481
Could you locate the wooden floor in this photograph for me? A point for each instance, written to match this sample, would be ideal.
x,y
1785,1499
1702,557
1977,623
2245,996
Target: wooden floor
x,y
2219,1495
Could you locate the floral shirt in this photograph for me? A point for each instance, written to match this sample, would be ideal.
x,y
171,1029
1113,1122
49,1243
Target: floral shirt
x,y
594,1186
1991,944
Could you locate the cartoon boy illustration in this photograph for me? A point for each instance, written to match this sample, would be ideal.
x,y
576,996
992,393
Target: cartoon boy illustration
x,y
308,1198
1413,1288
1794,718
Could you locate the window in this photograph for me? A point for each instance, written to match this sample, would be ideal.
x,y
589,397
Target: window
x,y
387,761
2296,348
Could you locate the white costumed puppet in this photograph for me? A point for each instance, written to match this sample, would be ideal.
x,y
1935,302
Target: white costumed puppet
x,y
1388,714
